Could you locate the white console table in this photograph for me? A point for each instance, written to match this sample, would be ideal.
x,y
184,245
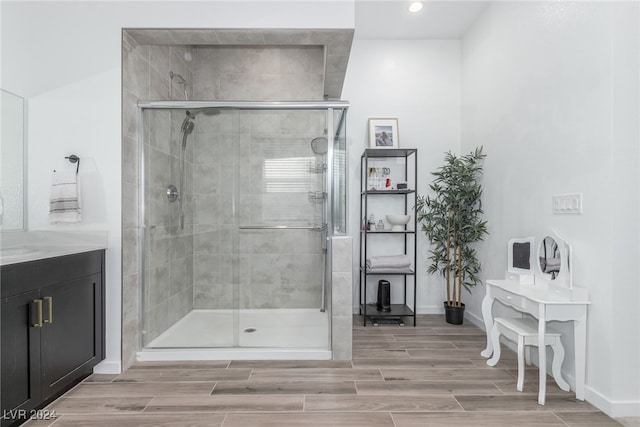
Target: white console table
x,y
545,303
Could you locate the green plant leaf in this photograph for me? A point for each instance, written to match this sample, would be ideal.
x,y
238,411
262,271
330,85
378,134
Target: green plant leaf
x,y
451,216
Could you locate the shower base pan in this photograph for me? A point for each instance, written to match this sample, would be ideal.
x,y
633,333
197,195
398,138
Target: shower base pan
x,y
263,334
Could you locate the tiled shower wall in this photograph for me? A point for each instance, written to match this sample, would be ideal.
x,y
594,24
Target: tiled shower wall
x,y
145,71
275,268
284,73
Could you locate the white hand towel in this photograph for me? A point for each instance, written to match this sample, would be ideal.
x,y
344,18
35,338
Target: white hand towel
x,y
64,203
393,261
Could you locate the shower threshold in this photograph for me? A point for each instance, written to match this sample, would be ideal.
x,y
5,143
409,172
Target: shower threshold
x,y
264,334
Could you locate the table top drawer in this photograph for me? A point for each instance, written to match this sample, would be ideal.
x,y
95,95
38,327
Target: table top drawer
x,y
508,298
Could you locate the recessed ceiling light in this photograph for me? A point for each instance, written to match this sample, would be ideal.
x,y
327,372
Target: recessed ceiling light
x,y
415,6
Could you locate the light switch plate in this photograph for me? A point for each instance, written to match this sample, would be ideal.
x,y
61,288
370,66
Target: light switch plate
x,y
567,203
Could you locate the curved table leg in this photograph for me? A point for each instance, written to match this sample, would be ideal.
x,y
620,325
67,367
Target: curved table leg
x,y
487,315
495,340
556,365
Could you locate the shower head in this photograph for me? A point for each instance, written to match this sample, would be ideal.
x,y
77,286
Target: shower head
x,y
187,127
181,79
187,123
319,145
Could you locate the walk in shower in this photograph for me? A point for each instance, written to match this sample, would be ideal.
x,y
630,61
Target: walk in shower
x,y
238,204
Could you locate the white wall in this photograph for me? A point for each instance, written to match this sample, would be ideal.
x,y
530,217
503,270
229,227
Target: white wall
x,y
418,82
65,58
551,91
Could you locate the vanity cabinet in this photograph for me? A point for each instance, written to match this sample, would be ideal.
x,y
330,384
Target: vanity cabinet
x,y
52,329
378,198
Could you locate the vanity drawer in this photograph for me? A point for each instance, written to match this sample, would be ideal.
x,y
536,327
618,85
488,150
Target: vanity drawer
x,y
508,298
31,275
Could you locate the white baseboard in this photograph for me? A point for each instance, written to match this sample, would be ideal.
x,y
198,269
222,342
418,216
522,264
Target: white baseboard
x,y
108,367
430,309
615,409
478,321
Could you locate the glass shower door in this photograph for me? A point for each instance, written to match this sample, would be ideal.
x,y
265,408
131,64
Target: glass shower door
x,y
235,218
282,229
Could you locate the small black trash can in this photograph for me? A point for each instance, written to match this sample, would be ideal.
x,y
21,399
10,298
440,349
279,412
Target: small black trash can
x,y
384,295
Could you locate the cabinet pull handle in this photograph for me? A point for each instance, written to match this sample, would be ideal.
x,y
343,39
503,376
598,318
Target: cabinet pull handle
x,y
50,301
38,324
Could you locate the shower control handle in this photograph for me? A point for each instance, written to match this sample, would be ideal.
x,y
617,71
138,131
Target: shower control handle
x,y
172,193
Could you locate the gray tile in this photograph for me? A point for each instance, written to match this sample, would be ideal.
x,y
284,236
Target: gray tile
x,y
141,420
239,37
390,387
467,374
312,374
342,254
222,403
341,338
290,364
181,375
150,389
284,387
446,352
309,419
341,291
629,421
486,419
100,378
590,419
135,70
130,297
404,345
379,354
130,253
194,364
104,405
381,403
412,363
523,402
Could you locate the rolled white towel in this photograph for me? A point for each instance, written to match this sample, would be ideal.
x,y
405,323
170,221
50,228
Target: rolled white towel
x,y
392,261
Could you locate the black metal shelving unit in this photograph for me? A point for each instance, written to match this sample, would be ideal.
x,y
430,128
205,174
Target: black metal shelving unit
x,y
368,237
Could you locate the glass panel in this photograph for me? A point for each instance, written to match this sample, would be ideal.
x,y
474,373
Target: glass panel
x,y
339,202
235,205
215,241
282,184
12,175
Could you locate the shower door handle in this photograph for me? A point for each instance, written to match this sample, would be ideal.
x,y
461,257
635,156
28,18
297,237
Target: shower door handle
x,y
283,227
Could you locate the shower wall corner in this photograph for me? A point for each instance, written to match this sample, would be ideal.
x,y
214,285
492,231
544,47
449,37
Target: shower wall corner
x,y
341,297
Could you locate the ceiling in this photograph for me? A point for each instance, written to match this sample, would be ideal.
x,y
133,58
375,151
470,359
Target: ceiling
x,y
444,19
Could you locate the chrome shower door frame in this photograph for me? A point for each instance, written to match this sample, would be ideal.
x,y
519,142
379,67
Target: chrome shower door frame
x,y
330,107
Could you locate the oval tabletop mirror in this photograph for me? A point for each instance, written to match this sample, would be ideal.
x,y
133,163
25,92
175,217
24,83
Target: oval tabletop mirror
x,y
554,259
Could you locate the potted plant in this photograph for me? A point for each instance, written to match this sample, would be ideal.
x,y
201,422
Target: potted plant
x,y
452,220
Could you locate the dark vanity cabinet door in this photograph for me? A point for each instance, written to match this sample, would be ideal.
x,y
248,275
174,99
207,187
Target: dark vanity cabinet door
x,y
20,355
52,329
72,336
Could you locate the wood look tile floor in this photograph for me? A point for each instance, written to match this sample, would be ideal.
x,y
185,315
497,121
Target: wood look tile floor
x,y
430,375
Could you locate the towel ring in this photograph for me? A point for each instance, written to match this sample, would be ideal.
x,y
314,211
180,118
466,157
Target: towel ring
x,y
74,159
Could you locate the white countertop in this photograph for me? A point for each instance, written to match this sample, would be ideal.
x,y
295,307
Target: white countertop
x,y
17,247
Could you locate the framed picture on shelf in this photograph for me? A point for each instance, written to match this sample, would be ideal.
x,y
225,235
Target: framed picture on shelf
x,y
383,133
